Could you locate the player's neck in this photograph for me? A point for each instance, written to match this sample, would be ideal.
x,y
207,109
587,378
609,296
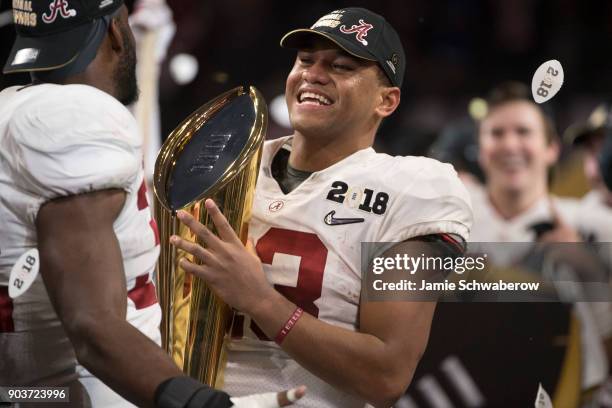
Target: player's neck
x,y
92,79
315,154
512,203
83,78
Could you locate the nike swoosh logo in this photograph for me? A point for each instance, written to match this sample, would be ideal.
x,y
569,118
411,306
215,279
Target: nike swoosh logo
x,y
331,220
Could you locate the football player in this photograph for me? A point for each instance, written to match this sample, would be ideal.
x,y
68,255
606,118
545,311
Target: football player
x,y
506,349
596,206
595,209
518,146
321,192
74,207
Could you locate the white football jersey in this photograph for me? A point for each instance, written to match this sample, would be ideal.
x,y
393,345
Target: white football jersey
x,y
595,217
314,259
595,224
491,227
56,141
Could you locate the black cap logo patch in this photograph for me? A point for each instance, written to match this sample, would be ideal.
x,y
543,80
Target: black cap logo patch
x,y
58,7
329,20
361,31
393,63
23,14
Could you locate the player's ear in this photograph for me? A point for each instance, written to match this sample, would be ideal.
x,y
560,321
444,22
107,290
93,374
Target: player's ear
x,y
115,34
389,100
553,150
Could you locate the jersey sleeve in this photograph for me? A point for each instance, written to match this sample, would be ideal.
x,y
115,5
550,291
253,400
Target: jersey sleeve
x,y
76,142
433,201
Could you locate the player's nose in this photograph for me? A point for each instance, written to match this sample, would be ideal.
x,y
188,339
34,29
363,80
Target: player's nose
x,y
508,142
316,74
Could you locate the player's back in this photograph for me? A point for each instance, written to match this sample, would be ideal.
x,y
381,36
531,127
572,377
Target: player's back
x,y
33,344
58,141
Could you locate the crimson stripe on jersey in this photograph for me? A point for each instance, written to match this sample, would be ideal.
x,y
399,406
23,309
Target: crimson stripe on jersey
x,y
142,197
143,294
237,326
449,238
6,311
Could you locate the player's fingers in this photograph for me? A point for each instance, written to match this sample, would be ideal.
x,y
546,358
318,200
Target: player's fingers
x,y
187,246
207,237
201,271
547,237
225,230
250,246
290,396
560,234
203,255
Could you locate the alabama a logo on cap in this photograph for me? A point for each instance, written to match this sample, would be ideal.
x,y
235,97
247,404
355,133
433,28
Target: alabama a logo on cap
x,y
58,6
361,31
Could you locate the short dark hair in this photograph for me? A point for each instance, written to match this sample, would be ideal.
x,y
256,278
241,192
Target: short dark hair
x,y
514,91
383,79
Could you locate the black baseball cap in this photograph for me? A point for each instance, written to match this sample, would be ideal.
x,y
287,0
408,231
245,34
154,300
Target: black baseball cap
x,y
52,33
579,133
361,33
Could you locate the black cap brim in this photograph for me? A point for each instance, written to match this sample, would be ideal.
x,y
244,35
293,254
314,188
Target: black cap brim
x,y
302,37
52,51
578,135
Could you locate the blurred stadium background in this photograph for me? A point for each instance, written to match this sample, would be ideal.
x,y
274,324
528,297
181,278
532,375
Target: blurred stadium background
x,y
456,50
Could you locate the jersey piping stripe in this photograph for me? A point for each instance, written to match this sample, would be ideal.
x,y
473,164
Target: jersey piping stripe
x,y
143,294
142,201
448,238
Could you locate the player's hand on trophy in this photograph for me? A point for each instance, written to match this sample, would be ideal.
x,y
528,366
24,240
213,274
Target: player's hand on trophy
x,y
233,271
562,232
270,399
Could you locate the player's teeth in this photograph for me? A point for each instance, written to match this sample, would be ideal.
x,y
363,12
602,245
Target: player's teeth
x,y
513,161
322,99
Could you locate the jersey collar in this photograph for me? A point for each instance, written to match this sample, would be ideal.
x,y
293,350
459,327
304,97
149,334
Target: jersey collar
x,y
277,144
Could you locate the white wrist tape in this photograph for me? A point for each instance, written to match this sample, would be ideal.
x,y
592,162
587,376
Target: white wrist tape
x,y
291,395
267,400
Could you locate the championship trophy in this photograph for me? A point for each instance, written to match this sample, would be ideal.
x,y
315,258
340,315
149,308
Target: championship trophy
x,y
214,153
